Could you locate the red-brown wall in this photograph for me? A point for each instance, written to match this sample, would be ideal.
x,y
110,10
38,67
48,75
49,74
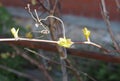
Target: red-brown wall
x,y
87,8
90,8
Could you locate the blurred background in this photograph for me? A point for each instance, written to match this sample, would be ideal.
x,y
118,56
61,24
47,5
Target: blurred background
x,y
76,15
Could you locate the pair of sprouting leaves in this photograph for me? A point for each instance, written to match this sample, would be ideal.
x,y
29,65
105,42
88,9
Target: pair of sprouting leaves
x,y
64,42
67,42
15,33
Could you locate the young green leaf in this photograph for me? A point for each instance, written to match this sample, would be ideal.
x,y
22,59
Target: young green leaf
x,y
86,33
15,32
65,42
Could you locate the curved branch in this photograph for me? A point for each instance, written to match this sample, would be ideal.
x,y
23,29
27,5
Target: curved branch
x,y
52,47
19,73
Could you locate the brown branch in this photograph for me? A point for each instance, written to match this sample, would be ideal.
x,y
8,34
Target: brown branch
x,y
61,50
54,7
19,73
42,5
35,62
117,4
71,51
94,44
108,25
27,40
77,73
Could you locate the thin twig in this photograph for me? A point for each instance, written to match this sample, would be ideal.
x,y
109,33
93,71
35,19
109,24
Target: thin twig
x,y
40,55
70,67
55,5
27,39
51,16
35,62
108,25
93,44
117,4
62,51
77,73
38,19
19,73
35,18
42,5
29,10
90,77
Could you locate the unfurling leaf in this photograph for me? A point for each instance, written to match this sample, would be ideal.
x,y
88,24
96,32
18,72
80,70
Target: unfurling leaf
x,y
15,32
86,33
65,42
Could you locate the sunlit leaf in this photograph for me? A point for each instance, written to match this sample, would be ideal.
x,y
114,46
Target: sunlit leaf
x,y
86,33
15,32
65,42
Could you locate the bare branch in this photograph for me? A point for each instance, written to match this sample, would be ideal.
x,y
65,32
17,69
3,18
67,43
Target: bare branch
x,y
19,73
52,47
62,51
48,41
42,5
35,62
94,44
118,4
27,39
69,67
108,25
29,10
55,5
